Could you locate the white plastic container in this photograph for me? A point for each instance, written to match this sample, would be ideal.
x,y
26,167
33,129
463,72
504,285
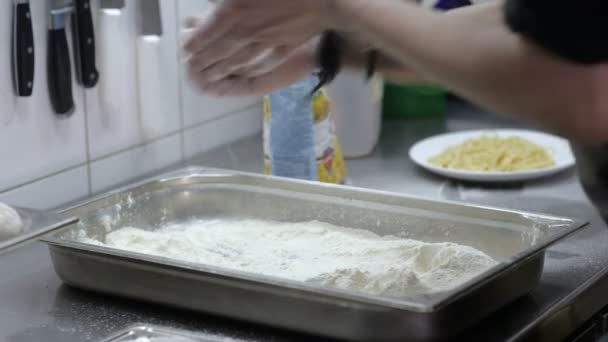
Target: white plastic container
x,y
356,106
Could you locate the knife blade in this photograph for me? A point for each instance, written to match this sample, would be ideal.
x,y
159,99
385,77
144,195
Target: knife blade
x,y
151,20
84,44
59,68
112,4
23,49
151,95
112,44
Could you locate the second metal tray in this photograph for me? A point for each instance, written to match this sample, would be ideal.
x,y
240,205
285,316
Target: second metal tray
x,y
153,333
516,239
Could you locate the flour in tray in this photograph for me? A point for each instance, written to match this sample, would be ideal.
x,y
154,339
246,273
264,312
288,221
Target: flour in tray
x,y
313,252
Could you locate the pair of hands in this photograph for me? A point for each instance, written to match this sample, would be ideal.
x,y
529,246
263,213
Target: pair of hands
x,y
251,47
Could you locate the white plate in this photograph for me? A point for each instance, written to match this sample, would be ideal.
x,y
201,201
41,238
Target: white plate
x,y
560,149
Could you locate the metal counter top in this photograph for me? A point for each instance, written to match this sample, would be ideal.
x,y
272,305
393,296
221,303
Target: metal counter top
x,y
35,306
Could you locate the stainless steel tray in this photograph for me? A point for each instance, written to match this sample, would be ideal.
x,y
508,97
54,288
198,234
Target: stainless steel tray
x,y
153,333
516,239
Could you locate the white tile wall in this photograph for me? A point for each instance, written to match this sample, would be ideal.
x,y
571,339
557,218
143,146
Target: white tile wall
x,y
216,133
7,100
50,192
46,161
33,141
136,162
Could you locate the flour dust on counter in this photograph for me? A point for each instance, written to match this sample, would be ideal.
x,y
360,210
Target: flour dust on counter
x,y
313,252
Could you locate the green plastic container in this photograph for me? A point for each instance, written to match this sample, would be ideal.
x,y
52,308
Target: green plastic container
x,y
403,101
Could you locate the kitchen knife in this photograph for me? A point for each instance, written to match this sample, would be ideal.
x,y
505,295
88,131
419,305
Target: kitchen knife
x,y
151,95
84,44
23,49
59,67
112,44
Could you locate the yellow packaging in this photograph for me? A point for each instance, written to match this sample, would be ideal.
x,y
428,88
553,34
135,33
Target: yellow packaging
x,y
330,161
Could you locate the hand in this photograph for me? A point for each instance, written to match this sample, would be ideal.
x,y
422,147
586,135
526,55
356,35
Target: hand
x,y
299,65
250,38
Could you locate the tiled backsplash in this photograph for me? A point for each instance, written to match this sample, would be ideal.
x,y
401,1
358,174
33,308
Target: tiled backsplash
x,y
46,160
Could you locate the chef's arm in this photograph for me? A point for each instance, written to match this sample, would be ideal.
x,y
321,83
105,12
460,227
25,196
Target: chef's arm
x,y
356,59
474,53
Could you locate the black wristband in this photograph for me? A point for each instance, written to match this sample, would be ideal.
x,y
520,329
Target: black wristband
x,y
372,62
329,57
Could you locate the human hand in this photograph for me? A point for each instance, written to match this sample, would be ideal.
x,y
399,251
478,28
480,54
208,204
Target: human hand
x,y
298,65
251,38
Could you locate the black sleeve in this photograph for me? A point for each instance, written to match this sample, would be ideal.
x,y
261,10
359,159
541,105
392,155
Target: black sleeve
x,y
592,165
576,30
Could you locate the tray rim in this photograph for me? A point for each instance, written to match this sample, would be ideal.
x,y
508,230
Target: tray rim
x,y
439,302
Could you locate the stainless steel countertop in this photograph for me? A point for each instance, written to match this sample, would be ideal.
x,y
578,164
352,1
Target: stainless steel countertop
x,y
35,306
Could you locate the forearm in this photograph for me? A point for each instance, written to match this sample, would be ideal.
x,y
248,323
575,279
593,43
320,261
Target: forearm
x,y
472,52
357,59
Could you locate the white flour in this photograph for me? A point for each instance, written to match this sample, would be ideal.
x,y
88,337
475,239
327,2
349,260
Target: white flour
x,y
313,252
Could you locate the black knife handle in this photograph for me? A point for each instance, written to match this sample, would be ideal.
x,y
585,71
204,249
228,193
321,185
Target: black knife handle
x,y
84,44
23,51
59,72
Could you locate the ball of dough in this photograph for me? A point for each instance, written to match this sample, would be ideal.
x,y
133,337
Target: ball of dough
x,y
10,222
